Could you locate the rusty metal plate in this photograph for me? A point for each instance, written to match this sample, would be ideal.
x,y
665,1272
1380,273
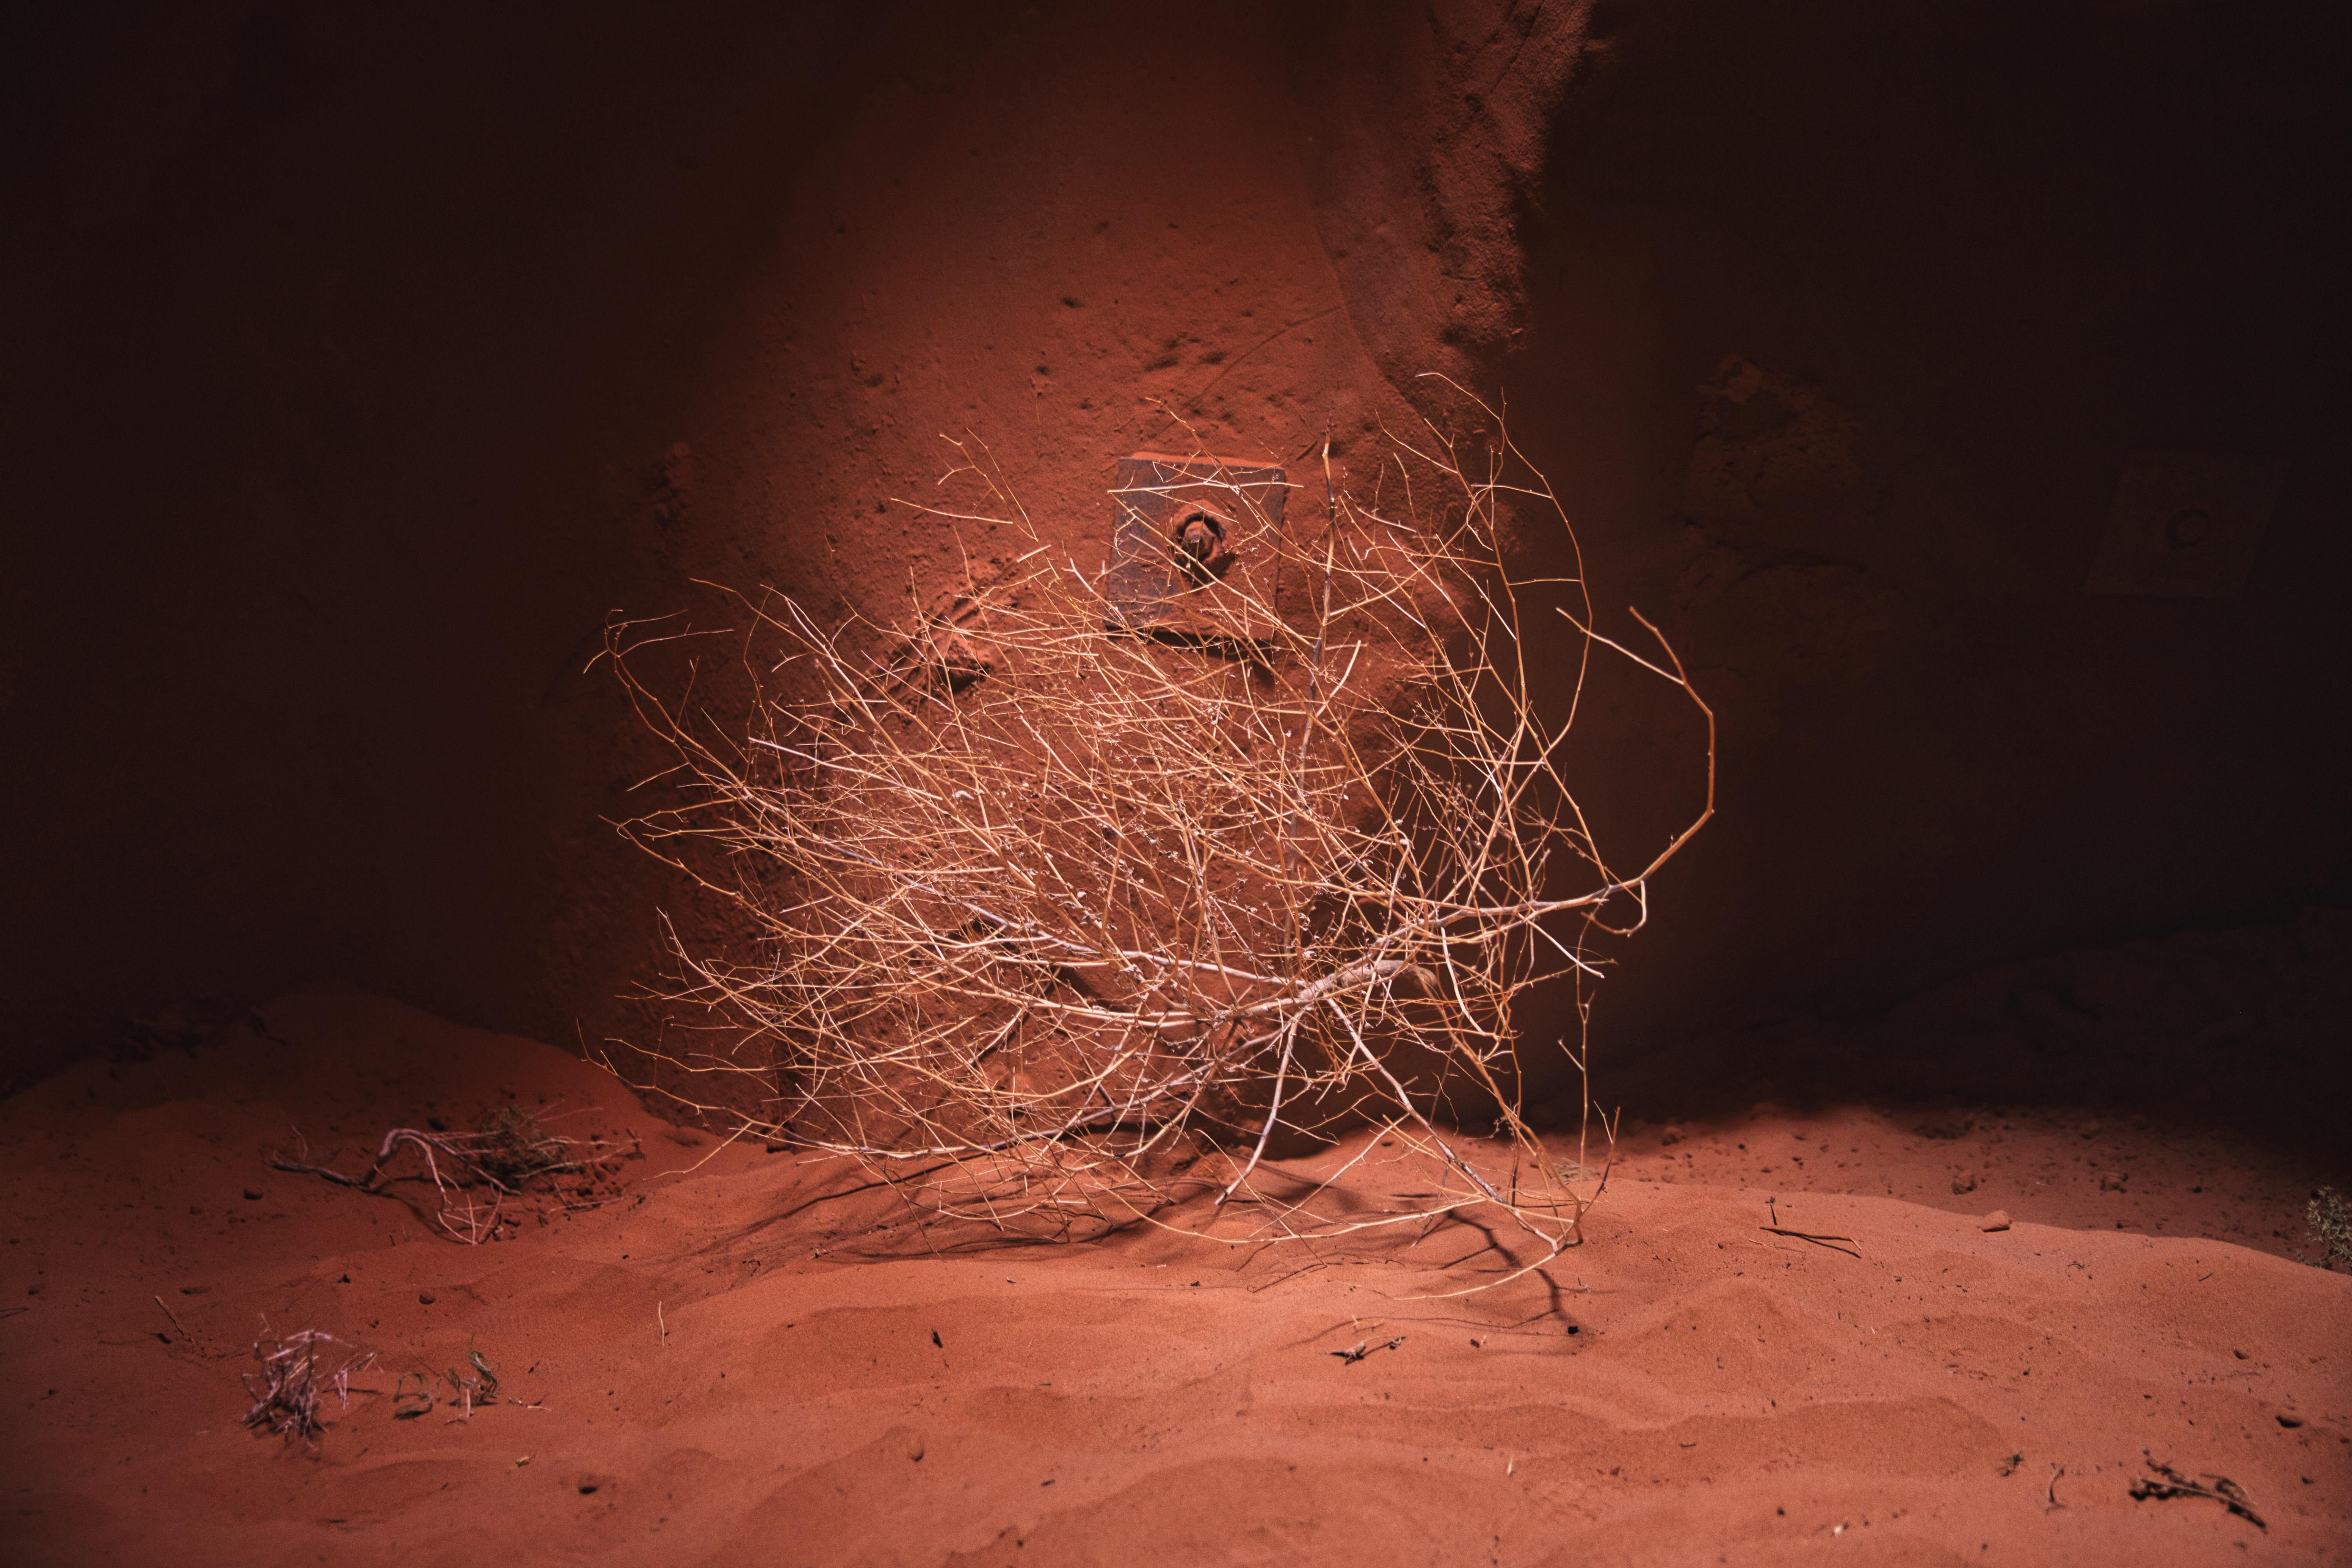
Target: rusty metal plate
x,y
1191,538
2185,525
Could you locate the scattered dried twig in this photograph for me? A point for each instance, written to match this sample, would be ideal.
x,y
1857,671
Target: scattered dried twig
x,y
2171,1483
480,1388
468,1391
1350,1357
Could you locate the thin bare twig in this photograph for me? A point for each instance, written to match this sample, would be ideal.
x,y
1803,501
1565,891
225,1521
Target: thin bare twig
x,y
1852,1248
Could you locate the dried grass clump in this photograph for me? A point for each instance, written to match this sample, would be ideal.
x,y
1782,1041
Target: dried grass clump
x,y
292,1380
1033,910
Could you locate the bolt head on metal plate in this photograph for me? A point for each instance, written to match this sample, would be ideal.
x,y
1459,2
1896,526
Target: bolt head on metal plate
x,y
1190,537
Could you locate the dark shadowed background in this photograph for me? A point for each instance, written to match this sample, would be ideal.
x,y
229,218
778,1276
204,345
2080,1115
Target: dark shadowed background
x,y
358,361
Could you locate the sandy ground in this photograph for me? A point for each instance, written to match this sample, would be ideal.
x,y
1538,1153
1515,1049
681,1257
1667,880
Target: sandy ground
x,y
729,1364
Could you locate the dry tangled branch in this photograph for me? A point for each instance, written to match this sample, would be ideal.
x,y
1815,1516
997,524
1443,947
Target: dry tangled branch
x,y
1034,902
474,1175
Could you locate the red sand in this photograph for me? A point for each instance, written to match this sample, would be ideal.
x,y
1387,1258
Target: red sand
x,y
714,1373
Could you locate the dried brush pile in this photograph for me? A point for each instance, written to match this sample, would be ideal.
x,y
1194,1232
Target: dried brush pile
x,y
480,1179
1037,909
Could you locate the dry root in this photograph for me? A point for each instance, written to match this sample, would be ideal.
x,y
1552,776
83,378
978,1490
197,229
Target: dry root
x,y
1033,909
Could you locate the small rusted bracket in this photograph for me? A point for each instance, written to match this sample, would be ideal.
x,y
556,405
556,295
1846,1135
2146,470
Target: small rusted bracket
x,y
1189,539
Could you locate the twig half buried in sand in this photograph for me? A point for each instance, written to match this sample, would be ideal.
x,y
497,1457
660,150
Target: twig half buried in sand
x,y
2171,1483
408,1404
1776,1228
1829,1241
1350,1357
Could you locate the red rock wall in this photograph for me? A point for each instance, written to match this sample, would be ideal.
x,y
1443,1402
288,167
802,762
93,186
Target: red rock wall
x,y
1844,321
360,364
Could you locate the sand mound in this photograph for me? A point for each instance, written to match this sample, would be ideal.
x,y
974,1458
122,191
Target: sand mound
x,y
752,1358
